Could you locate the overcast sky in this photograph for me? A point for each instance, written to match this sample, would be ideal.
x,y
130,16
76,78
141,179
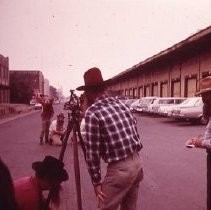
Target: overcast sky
x,y
64,38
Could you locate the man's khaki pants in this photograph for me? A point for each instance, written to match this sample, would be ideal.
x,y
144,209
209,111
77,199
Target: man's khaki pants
x,y
121,184
45,130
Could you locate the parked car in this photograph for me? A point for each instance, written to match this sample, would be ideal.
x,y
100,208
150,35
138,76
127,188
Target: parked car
x,y
32,102
167,104
190,110
37,106
133,106
164,101
144,103
129,101
166,110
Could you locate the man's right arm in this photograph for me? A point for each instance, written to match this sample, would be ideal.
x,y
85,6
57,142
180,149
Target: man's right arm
x,y
92,144
207,136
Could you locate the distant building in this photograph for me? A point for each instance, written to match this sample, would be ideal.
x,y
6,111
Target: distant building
x,y
60,93
4,80
46,87
25,84
53,92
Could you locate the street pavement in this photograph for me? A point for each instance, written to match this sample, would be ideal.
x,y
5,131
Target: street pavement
x,y
174,176
20,147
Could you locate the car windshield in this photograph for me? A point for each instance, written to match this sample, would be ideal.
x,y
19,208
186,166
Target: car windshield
x,y
166,101
136,102
191,101
129,101
199,102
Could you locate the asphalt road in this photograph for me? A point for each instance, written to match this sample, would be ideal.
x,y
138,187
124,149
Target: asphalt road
x,y
174,176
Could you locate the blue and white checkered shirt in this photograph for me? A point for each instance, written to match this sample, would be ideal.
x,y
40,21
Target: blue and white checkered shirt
x,y
111,134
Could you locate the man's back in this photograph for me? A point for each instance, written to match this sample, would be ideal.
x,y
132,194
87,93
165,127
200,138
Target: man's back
x,y
115,129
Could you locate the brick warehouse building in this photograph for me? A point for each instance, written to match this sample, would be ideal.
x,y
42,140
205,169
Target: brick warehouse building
x,y
175,71
25,84
4,80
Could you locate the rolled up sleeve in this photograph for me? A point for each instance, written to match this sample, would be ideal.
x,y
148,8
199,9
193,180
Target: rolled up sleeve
x,y
92,144
207,136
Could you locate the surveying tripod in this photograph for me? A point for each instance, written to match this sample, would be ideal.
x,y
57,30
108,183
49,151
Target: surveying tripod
x,y
74,115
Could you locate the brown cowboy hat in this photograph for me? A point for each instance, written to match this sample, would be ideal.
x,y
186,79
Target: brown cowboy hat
x,y
205,85
51,168
92,79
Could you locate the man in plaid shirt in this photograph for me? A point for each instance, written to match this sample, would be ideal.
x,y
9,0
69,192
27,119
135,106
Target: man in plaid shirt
x,y
111,134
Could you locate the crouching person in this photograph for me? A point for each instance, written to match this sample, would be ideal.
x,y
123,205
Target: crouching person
x,y
57,130
49,174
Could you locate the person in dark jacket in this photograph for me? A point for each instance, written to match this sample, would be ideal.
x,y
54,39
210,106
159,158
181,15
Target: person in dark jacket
x,y
46,115
7,193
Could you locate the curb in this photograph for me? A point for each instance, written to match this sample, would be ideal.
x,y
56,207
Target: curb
x,y
16,116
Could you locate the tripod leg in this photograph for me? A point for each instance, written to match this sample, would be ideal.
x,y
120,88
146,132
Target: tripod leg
x,y
81,141
61,157
77,170
64,143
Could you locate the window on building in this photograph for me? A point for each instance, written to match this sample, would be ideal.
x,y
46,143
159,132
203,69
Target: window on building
x,y
190,86
164,89
176,88
140,92
135,93
146,90
155,89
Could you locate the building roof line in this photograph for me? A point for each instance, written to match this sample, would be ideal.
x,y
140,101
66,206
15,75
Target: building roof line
x,y
191,39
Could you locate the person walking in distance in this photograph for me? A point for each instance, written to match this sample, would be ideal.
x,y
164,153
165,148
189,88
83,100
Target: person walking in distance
x,y
111,134
205,141
46,115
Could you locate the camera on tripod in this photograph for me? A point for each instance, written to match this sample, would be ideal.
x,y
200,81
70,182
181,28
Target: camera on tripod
x,y
73,105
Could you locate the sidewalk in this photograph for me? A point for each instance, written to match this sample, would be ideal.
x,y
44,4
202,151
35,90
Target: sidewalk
x,y
14,111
